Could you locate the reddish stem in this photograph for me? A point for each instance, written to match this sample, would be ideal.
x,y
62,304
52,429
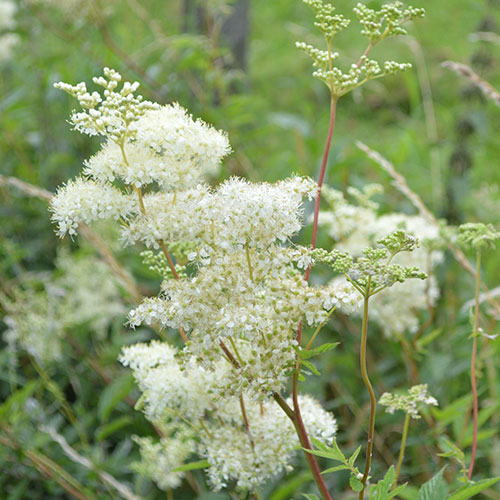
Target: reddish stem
x,y
333,108
297,420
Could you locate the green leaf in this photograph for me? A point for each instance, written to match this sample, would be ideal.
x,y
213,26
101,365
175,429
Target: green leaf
x,y
434,489
113,394
309,496
354,456
382,490
321,453
18,398
450,450
106,430
335,469
310,367
286,490
468,491
355,483
201,464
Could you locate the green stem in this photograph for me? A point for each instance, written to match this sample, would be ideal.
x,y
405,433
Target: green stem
x,y
315,334
402,450
366,380
249,262
473,367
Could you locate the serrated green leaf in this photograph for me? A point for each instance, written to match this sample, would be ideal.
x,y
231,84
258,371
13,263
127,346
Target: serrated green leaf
x,y
355,484
310,367
468,491
341,455
335,469
354,456
450,450
434,489
113,394
321,453
200,464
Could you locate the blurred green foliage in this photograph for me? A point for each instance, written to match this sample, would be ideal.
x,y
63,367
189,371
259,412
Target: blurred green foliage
x,y
438,130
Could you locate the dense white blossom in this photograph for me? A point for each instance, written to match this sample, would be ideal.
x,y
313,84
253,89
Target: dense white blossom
x,y
177,390
235,214
159,458
252,457
254,299
88,201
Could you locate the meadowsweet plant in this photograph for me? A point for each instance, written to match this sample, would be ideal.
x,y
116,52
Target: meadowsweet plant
x,y
478,237
237,299
234,288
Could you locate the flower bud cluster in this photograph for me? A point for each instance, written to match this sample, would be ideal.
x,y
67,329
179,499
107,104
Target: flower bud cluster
x,y
387,21
377,25
328,22
354,226
411,403
113,116
477,235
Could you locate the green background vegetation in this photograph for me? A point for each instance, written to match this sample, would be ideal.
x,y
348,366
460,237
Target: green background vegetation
x,y
276,115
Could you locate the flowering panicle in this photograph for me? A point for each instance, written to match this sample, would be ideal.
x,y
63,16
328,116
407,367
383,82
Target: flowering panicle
x,y
180,397
387,21
239,293
411,403
377,25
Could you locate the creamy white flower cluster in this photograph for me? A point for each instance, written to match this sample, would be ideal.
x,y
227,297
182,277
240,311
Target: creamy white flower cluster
x,y
355,226
240,300
145,144
251,300
411,403
234,215
177,392
42,311
8,40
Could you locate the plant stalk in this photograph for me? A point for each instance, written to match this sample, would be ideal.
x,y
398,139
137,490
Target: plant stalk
x,y
366,380
402,450
473,366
